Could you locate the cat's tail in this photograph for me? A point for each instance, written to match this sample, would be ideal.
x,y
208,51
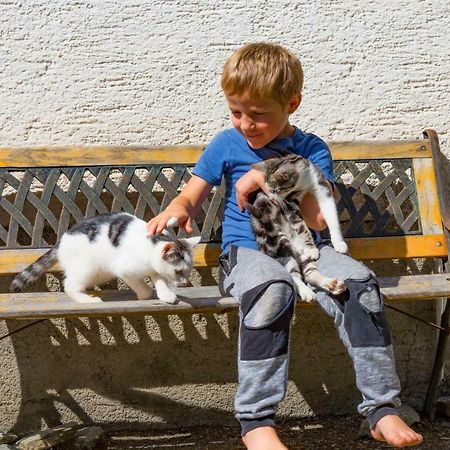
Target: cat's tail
x,y
33,272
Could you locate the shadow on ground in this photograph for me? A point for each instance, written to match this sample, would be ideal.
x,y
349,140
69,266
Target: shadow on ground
x,y
337,433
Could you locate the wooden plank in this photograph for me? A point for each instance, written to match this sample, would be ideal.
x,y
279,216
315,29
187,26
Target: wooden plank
x,y
428,197
97,155
54,156
206,255
191,300
372,248
15,260
381,149
416,287
398,247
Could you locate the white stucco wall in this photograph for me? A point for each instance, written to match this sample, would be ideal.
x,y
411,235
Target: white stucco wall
x,y
147,72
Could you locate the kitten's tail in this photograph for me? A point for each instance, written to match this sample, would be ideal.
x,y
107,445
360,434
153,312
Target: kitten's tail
x,y
33,272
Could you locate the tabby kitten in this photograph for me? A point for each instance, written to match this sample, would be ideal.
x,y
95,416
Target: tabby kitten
x,y
280,229
111,246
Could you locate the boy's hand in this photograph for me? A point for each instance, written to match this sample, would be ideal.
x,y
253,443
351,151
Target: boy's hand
x,y
183,207
158,223
248,183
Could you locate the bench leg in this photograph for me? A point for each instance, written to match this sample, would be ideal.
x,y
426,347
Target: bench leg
x,y
429,408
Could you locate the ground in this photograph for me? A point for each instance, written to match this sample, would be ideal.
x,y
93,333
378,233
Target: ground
x,y
337,433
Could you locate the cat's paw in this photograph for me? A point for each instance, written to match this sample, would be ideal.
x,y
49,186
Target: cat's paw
x,y
340,247
306,294
167,296
311,253
145,294
336,286
80,297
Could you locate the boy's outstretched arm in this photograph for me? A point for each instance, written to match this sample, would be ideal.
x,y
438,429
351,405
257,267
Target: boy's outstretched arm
x,y
184,207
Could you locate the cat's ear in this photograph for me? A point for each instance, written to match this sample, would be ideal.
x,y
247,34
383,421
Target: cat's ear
x,y
261,166
168,247
192,241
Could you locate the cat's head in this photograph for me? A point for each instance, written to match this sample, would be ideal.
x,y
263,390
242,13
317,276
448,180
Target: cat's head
x,y
282,174
176,259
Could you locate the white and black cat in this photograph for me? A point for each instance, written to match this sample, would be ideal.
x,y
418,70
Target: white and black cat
x,y
111,246
280,229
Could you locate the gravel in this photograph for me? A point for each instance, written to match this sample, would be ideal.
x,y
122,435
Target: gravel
x,y
337,433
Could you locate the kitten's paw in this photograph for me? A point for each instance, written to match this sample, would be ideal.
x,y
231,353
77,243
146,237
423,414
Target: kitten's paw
x,y
79,297
306,294
311,254
168,297
340,247
146,294
336,286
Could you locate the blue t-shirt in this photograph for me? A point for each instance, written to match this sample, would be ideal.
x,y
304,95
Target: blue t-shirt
x,y
228,155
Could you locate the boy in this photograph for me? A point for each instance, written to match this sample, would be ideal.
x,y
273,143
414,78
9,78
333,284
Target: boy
x,y
262,84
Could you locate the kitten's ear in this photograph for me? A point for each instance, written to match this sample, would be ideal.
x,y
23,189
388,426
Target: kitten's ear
x,y
192,241
167,248
261,166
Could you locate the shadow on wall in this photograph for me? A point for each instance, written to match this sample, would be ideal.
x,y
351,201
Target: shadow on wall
x,y
124,359
178,370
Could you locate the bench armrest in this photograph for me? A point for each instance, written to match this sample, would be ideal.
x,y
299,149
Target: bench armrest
x,y
439,162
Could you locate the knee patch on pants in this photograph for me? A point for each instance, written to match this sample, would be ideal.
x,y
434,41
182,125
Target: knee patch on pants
x,y
266,313
365,318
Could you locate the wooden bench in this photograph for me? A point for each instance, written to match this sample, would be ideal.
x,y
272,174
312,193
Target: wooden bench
x,y
390,198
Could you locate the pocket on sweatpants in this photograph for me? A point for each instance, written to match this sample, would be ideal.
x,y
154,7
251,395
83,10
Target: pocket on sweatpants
x,y
365,327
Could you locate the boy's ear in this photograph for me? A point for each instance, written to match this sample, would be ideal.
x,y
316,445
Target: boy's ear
x,y
294,103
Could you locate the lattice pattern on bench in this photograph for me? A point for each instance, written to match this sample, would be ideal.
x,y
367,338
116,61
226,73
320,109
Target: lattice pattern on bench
x,y
38,205
377,198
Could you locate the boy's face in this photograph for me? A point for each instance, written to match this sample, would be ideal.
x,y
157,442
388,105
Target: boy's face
x,y
260,121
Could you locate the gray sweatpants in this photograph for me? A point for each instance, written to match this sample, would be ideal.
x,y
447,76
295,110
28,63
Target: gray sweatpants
x,y
266,294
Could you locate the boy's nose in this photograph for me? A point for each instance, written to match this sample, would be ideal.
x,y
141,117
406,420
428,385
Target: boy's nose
x,y
247,124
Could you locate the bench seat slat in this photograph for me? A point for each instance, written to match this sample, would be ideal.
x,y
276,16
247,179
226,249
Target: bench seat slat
x,y
206,299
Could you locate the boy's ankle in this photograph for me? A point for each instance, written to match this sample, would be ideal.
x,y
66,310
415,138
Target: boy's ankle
x,y
263,438
248,425
379,413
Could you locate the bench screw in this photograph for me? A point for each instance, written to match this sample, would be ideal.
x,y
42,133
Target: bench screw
x,y
422,148
438,244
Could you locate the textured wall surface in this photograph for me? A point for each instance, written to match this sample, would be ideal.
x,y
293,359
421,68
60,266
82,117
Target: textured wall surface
x,y
147,72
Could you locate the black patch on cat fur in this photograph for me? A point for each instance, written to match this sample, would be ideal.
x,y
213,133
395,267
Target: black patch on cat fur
x,y
91,227
34,271
117,227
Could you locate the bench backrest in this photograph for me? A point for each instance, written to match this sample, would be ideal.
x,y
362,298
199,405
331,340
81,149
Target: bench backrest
x,y
387,195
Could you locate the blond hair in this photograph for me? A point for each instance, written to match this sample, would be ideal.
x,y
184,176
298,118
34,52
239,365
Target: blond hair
x,y
263,70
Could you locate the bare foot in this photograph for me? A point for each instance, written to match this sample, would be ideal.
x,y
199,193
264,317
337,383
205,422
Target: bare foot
x,y
395,432
263,438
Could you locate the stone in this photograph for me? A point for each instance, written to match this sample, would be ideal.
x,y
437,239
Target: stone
x,y
49,438
8,438
443,406
406,412
8,447
85,439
